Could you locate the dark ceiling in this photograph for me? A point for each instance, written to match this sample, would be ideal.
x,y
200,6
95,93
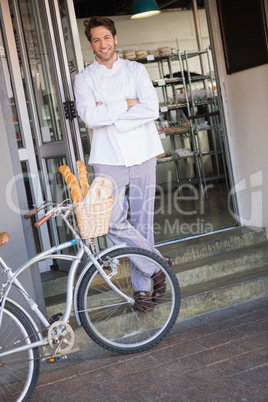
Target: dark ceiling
x,y
90,8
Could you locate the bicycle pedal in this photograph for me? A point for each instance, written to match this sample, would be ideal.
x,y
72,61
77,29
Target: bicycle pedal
x,y
56,359
55,317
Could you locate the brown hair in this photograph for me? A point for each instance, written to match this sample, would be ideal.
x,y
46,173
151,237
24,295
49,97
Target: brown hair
x,y
95,22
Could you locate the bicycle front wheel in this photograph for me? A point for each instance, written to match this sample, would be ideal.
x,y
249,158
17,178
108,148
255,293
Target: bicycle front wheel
x,y
18,371
117,325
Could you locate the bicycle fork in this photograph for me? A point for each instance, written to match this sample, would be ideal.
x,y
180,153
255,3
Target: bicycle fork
x,y
107,278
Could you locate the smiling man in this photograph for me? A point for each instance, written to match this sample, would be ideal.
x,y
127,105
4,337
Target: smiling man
x,y
116,99
103,44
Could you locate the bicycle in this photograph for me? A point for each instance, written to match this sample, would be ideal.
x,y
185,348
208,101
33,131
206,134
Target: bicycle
x,y
103,303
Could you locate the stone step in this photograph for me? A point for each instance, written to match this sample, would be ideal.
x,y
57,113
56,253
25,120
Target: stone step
x,y
226,291
210,295
217,266
54,283
56,304
213,244
191,273
180,253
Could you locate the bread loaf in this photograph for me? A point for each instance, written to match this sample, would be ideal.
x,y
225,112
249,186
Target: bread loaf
x,y
76,195
64,170
82,177
101,190
76,192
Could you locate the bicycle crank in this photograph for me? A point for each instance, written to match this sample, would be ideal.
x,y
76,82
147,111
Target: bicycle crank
x,y
60,337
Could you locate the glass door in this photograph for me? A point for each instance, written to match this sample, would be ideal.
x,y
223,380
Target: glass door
x,y
71,62
47,64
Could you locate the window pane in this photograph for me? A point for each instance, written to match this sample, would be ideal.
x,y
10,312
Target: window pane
x,y
10,92
40,60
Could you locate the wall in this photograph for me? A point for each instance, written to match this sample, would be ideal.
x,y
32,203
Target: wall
x,y
15,251
245,101
12,200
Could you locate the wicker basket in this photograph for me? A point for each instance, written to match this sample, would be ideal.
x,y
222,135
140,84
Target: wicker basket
x,y
93,219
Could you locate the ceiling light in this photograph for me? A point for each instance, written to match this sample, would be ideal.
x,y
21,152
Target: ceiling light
x,y
144,9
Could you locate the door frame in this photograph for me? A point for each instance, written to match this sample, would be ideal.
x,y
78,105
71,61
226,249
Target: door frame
x,y
70,128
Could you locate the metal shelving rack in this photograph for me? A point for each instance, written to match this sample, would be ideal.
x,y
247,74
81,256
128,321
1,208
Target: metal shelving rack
x,y
191,163
210,101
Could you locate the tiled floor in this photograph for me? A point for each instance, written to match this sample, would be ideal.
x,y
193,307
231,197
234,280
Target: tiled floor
x,y
218,356
177,217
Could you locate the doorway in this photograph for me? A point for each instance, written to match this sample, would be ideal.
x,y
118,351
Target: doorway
x,y
194,174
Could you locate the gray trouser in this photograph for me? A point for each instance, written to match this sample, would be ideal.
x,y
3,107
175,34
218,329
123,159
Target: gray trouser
x,y
139,204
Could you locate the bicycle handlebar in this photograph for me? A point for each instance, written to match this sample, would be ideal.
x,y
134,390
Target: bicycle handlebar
x,y
31,213
42,220
34,211
58,208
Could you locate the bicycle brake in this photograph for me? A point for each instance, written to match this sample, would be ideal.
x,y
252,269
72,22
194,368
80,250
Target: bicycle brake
x,y
112,263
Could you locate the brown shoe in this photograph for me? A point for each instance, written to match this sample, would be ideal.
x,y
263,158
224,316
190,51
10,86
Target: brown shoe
x,y
159,281
143,301
159,285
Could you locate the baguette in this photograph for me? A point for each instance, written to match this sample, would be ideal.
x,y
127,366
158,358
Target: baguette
x,y
82,176
76,192
64,170
77,195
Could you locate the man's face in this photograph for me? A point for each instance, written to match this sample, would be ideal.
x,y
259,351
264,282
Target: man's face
x,y
103,45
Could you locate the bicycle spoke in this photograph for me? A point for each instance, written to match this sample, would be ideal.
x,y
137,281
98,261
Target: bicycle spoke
x,y
118,325
18,371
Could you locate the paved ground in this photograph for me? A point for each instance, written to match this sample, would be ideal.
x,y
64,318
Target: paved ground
x,y
218,356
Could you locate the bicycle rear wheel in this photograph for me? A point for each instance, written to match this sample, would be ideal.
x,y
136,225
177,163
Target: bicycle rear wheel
x,y
18,371
117,325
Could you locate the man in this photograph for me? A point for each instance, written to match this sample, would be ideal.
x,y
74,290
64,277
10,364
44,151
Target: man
x,y
116,99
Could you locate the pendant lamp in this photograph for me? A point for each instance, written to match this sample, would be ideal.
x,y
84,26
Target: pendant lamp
x,y
144,9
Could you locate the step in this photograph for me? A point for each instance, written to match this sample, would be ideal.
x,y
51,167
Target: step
x,y
180,253
217,266
54,283
56,303
215,243
207,296
223,292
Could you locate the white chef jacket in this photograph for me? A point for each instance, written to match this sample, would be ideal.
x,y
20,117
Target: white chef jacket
x,y
120,136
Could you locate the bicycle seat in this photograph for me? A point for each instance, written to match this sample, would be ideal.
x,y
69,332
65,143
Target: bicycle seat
x,y
4,238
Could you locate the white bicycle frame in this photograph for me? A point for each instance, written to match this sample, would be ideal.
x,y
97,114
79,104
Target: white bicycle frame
x,y
71,295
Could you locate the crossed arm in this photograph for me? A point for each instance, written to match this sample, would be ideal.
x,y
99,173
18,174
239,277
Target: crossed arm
x,y
130,103
125,114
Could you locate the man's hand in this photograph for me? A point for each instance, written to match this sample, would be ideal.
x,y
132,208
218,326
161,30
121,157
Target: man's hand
x,y
131,102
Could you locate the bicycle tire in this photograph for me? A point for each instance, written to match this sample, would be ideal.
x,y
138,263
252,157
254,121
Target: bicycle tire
x,y
19,371
113,323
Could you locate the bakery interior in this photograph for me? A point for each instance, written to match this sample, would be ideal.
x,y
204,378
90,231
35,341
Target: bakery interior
x,y
193,194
